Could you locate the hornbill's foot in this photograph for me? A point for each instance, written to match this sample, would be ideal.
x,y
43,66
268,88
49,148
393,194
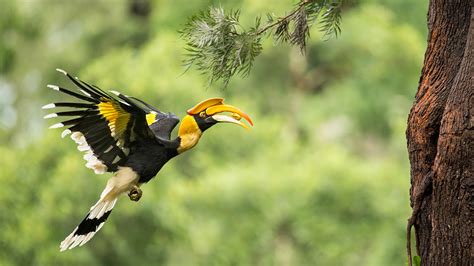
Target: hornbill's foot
x,y
135,193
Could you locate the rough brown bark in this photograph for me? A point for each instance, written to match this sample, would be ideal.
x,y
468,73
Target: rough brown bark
x,y
440,138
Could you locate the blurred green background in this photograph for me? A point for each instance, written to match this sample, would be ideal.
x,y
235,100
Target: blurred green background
x,y
322,178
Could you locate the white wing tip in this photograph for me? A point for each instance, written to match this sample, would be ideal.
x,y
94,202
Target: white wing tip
x,y
115,92
50,116
65,133
100,170
58,125
76,136
48,106
85,92
62,71
54,87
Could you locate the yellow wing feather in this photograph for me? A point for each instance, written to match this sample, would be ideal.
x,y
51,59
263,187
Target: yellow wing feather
x,y
117,117
150,118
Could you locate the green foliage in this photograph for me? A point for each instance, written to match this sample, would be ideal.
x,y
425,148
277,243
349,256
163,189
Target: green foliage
x,y
321,179
217,48
220,47
416,261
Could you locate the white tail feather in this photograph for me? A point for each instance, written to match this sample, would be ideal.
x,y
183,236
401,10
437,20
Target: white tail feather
x,y
118,184
94,220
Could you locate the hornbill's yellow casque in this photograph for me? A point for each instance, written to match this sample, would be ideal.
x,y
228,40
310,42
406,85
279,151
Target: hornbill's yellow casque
x,y
129,137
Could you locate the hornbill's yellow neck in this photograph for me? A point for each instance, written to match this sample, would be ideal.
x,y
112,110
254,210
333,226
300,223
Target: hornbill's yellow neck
x,y
189,133
203,116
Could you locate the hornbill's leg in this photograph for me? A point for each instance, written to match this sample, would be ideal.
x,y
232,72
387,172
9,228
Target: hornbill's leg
x,y
135,193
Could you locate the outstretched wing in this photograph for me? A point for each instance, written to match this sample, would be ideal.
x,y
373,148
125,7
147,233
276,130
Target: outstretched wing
x,y
104,126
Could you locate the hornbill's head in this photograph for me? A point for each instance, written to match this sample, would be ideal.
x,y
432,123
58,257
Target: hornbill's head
x,y
203,116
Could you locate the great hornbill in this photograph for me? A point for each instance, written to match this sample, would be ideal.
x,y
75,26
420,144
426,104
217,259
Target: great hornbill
x,y
132,139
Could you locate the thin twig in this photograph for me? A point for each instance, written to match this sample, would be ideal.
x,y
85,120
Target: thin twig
x,y
279,20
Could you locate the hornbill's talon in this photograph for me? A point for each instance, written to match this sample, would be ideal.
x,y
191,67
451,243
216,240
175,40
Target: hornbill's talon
x,y
135,193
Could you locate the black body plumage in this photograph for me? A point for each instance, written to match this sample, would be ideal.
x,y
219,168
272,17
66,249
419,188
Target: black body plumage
x,y
147,157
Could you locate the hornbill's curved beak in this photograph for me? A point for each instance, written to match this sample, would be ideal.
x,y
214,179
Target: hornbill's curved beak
x,y
212,110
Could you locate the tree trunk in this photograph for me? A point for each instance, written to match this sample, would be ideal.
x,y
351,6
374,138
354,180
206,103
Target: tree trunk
x,y
440,138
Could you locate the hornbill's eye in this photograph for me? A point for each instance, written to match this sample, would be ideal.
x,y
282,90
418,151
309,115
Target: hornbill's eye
x,y
202,114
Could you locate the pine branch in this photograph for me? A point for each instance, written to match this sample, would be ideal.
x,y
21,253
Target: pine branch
x,y
220,47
